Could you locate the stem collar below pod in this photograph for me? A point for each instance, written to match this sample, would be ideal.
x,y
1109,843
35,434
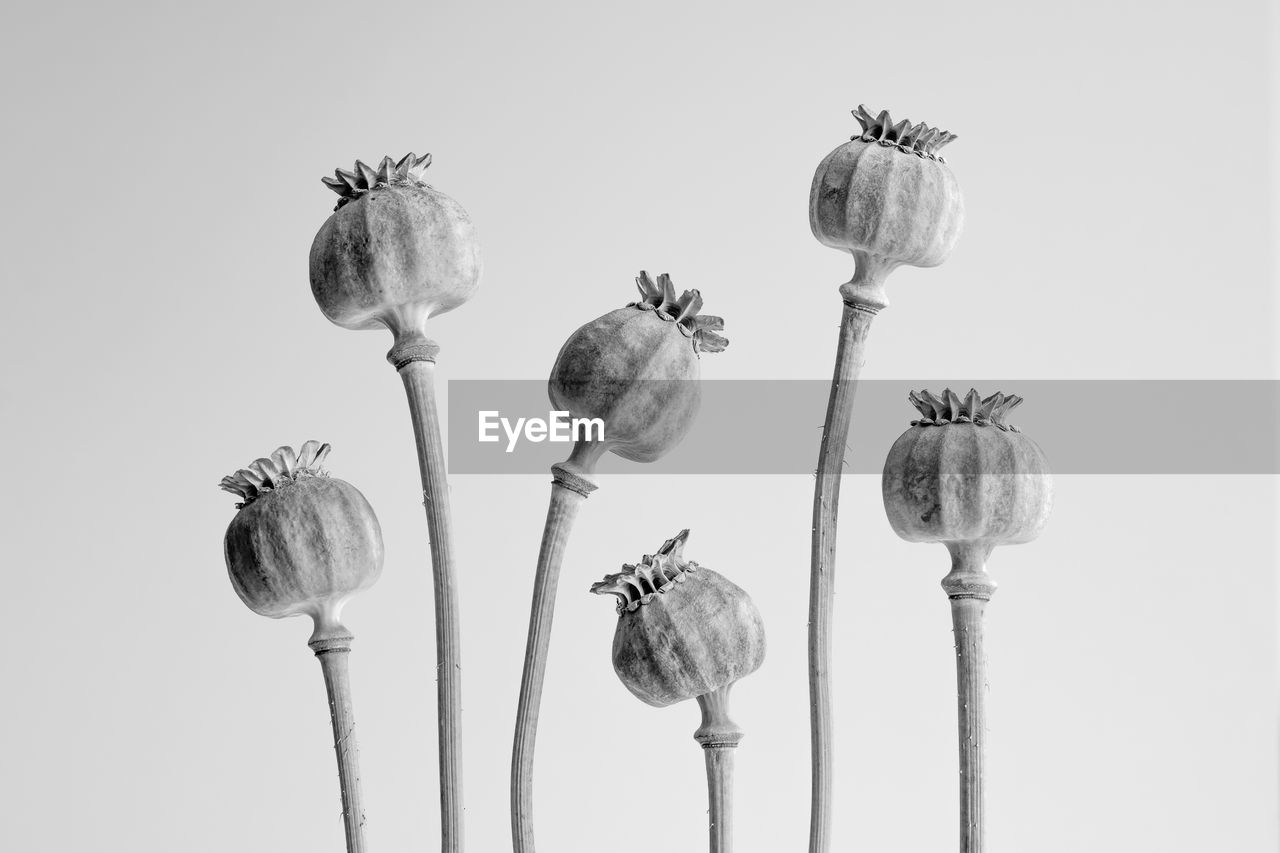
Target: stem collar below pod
x,y
637,369
683,630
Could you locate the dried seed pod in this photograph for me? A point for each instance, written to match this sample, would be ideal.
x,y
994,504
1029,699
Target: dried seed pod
x,y
965,477
887,196
686,632
683,630
961,473
632,369
302,542
395,251
636,370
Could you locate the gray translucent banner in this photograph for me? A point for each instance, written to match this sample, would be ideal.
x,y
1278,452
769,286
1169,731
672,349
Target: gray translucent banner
x,y
774,426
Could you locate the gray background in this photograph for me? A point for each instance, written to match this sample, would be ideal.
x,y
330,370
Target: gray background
x,y
163,171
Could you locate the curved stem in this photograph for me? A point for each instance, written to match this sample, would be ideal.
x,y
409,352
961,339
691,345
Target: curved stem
x,y
332,647
970,588
569,488
719,737
414,358
863,299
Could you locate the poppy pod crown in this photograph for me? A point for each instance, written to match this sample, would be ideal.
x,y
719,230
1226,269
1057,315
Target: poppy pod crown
x,y
918,139
281,468
660,297
350,185
655,574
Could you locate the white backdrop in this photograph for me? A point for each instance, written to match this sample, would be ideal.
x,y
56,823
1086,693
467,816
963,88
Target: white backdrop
x,y
164,165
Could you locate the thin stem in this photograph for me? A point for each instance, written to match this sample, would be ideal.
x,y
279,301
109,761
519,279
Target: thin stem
x,y
719,737
332,648
969,588
569,488
719,761
414,359
863,298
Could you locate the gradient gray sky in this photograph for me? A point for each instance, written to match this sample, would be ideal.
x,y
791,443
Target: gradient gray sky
x,y
164,189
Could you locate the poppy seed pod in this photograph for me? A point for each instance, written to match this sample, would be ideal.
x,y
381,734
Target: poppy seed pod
x,y
962,474
965,477
395,251
683,630
888,197
635,369
302,542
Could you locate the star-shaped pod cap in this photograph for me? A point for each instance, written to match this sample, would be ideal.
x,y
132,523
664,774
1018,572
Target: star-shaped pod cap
x,y
355,183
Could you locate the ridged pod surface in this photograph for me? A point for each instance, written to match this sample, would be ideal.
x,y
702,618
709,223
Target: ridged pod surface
x,y
637,368
395,252
683,630
959,476
888,194
303,542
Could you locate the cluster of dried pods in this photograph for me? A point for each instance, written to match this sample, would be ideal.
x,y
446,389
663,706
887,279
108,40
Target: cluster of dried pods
x,y
396,252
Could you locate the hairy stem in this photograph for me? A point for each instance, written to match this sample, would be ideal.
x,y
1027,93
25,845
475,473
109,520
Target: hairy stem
x,y
719,737
569,488
970,588
414,358
863,299
332,647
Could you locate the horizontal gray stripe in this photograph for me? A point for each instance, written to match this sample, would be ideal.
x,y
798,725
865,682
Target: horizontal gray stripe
x,y
774,426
